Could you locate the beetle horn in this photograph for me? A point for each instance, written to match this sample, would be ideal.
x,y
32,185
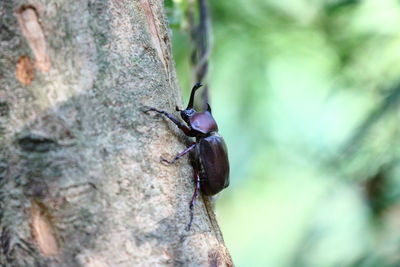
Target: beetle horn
x,y
191,100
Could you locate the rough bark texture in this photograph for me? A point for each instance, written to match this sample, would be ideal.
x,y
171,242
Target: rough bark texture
x,y
80,178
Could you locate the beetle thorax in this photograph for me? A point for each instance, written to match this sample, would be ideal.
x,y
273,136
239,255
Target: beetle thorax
x,y
203,122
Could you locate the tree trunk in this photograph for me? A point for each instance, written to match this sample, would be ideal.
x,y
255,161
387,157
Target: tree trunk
x,y
80,179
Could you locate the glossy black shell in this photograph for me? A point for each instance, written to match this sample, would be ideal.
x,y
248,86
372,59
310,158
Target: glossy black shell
x,y
213,157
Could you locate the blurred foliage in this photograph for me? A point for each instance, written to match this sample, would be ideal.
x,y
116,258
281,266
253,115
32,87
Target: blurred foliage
x,y
306,93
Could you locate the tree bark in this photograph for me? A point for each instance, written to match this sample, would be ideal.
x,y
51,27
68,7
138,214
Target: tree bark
x,y
80,179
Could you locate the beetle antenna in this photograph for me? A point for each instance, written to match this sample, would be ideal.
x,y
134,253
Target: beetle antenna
x,y
191,100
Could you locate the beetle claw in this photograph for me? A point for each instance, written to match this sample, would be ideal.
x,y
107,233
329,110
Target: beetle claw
x,y
146,109
165,161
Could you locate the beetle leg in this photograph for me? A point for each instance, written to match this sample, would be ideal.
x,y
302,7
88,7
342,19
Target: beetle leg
x,y
178,123
194,197
179,155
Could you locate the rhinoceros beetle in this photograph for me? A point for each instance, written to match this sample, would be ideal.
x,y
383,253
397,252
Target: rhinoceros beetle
x,y
210,161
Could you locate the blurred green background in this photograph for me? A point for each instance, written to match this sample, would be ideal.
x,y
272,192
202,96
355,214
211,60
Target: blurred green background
x,y
306,94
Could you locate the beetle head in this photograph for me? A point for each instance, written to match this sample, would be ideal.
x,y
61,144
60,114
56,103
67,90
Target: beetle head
x,y
189,111
202,122
187,114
